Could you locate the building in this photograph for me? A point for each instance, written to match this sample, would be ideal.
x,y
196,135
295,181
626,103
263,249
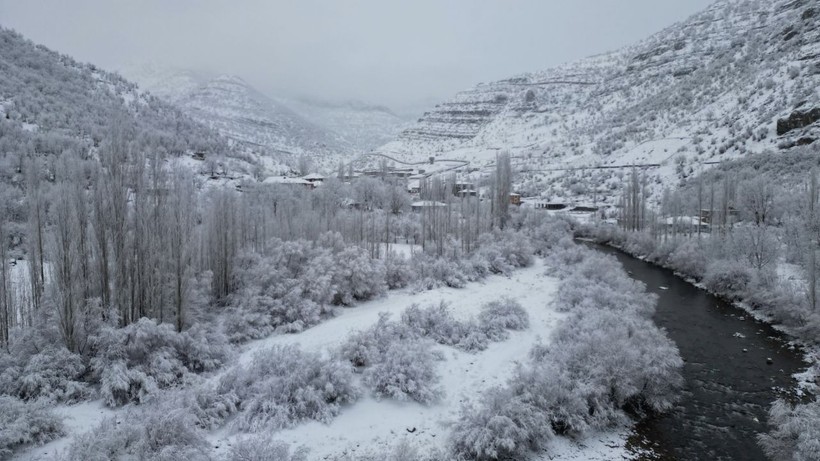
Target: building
x,y
515,199
414,187
461,186
314,178
426,205
551,206
288,181
684,224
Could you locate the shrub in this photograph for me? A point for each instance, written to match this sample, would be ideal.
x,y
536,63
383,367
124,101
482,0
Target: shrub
x,y
357,277
364,348
135,361
284,385
689,258
151,434
551,235
727,278
503,427
398,271
505,250
405,371
432,272
26,423
795,433
505,313
54,373
435,322
263,448
209,408
243,324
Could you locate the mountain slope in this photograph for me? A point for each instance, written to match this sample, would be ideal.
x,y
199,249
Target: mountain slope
x,y
51,104
741,76
282,128
248,118
362,125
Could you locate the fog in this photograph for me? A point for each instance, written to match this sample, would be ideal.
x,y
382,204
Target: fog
x,y
398,53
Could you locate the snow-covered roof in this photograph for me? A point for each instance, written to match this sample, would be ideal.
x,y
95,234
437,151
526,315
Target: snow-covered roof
x,y
314,177
684,221
285,180
427,203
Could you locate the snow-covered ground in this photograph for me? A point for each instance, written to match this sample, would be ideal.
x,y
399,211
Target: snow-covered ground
x,y
372,426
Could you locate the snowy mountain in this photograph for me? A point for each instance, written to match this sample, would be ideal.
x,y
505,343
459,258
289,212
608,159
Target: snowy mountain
x,y
164,82
741,76
281,129
248,118
51,104
364,126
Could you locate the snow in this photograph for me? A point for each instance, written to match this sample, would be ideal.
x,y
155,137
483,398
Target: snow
x,y
79,418
374,426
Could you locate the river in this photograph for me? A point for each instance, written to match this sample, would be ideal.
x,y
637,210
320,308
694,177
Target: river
x,y
735,367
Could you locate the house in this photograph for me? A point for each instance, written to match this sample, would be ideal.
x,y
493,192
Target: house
x,y
198,156
684,224
584,209
550,206
426,205
460,186
515,199
414,187
314,178
288,181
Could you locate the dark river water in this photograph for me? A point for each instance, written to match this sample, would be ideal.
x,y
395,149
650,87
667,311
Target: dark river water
x,y
729,382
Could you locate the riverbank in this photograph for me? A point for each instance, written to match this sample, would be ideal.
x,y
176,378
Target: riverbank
x,y
785,429
776,301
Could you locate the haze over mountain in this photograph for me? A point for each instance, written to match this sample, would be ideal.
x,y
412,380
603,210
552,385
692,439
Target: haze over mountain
x,y
279,127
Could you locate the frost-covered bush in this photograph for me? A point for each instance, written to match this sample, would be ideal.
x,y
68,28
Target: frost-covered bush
x,y
134,362
432,272
795,433
435,322
364,348
577,293
54,373
502,427
151,434
405,371
25,424
261,447
505,250
551,234
398,271
689,258
727,278
284,385
404,450
357,277
638,368
208,407
244,324
564,257
505,313
396,359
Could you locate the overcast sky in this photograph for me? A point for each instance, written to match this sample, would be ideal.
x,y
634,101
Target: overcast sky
x,y
394,52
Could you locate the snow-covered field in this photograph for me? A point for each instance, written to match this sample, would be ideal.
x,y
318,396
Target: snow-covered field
x,y
371,426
